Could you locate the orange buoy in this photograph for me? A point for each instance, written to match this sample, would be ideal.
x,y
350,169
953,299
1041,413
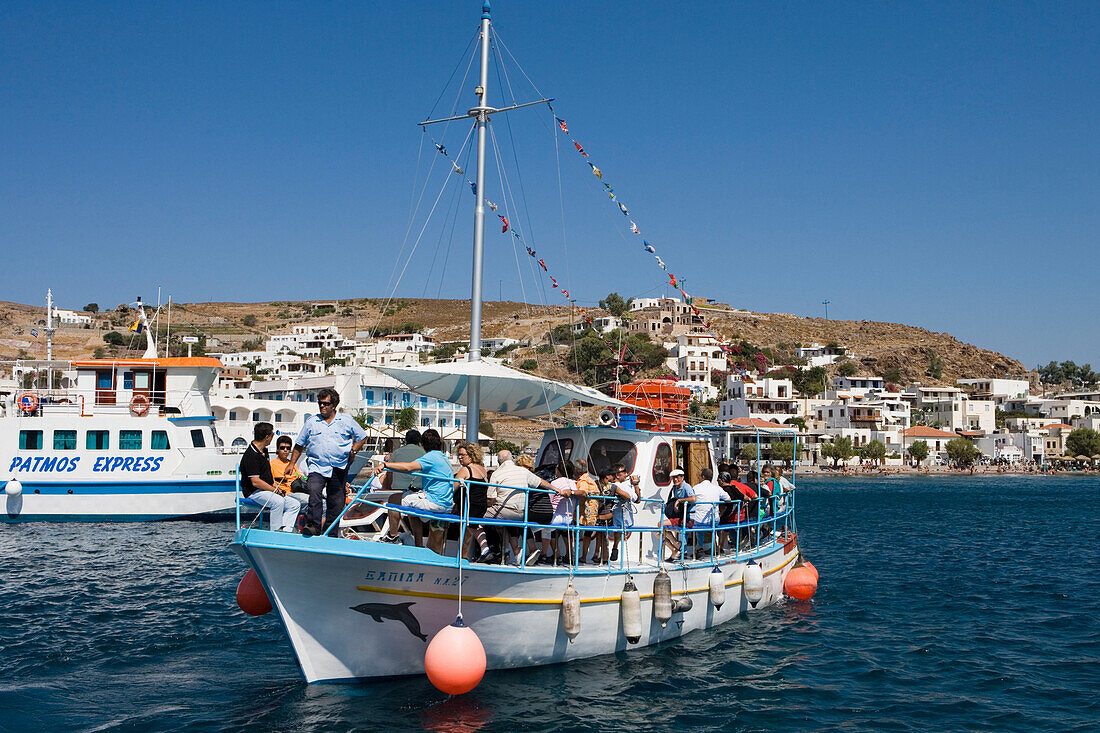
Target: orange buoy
x,y
800,583
455,659
251,596
811,567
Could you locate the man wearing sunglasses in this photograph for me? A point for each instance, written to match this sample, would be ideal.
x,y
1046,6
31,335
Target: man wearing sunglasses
x,y
330,441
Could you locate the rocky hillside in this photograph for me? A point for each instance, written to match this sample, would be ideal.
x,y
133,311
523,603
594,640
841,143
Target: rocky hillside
x,y
875,347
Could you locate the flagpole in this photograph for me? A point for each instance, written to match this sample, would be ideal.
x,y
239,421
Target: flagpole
x,y
473,399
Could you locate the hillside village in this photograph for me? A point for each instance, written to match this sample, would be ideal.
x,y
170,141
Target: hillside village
x,y
848,391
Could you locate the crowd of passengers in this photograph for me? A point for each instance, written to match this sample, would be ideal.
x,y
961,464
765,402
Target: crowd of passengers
x,y
575,497
418,476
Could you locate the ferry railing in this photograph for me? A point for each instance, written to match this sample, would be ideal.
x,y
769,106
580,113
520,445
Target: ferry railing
x,y
774,521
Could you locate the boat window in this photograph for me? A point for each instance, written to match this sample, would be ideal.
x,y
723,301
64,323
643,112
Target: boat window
x,y
127,380
554,452
129,440
159,440
141,380
98,440
30,440
64,440
607,452
197,438
662,464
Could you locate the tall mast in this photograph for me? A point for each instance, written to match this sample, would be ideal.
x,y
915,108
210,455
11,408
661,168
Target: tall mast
x,y
473,404
480,113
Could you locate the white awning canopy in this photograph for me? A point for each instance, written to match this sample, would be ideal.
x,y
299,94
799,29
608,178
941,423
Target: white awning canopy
x,y
502,389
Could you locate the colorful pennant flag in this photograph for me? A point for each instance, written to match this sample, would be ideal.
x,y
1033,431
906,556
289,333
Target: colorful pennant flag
x,y
561,124
648,247
596,171
580,150
505,221
634,228
622,208
491,205
543,266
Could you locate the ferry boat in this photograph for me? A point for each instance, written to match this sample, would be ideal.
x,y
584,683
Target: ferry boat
x,y
113,439
363,610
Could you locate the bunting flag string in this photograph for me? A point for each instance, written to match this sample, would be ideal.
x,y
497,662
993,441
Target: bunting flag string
x,y
650,249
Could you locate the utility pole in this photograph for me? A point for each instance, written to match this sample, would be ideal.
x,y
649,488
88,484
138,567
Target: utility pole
x,y
826,304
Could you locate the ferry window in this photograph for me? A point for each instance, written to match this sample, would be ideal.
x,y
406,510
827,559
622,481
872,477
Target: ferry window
x,y
141,380
159,440
98,440
129,440
127,380
64,440
197,438
278,417
606,453
662,464
255,418
555,452
30,440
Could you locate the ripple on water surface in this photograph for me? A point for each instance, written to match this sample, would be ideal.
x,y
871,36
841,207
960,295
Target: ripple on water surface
x,y
945,604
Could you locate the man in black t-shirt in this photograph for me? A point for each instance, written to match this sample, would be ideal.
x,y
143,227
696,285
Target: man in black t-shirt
x,y
257,483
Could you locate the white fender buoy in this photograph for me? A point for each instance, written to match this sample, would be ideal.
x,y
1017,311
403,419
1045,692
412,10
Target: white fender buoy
x,y
13,488
631,603
662,597
717,587
682,604
571,613
752,581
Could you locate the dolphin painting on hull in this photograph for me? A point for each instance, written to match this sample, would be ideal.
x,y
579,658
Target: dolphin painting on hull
x,y
396,611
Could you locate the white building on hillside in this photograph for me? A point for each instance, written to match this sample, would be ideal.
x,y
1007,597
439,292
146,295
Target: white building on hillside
x,y
72,318
818,355
998,390
764,398
858,385
697,357
287,402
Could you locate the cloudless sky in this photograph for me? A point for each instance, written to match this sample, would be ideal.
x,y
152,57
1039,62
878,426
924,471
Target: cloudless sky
x,y
934,164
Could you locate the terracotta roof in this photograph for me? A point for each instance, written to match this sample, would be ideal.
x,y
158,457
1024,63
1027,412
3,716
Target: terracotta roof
x,y
923,431
1058,425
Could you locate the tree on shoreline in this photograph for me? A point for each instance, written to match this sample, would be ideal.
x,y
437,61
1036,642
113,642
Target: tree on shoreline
x,y
1083,442
962,452
918,451
873,451
839,450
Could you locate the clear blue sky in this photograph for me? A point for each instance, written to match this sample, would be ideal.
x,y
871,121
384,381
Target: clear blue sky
x,y
932,164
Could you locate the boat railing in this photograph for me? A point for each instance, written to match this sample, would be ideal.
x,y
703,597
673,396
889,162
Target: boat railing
x,y
87,402
749,536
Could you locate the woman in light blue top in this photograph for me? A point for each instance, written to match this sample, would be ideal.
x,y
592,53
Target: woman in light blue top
x,y
437,480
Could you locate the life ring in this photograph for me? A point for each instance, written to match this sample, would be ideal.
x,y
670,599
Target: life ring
x,y
139,405
28,403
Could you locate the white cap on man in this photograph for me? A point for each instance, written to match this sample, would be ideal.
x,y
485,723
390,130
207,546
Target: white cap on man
x,y
676,472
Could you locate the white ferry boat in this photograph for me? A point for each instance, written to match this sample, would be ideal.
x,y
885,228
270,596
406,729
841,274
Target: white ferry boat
x,y
114,440
361,610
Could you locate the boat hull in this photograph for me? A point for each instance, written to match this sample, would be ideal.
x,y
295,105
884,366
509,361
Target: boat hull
x,y
367,610
119,501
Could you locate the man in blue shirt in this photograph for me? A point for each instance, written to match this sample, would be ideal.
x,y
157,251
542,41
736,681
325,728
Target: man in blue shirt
x,y
330,441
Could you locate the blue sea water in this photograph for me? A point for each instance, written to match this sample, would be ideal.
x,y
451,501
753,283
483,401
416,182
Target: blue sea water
x,y
944,604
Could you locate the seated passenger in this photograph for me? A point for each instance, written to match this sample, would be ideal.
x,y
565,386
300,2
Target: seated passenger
x,y
510,503
438,492
589,510
471,467
705,512
564,503
258,485
680,497
287,476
